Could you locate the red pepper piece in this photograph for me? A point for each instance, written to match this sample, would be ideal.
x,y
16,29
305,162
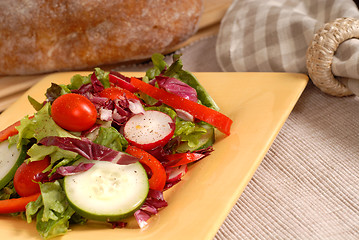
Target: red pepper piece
x,y
201,112
178,159
158,178
10,131
15,205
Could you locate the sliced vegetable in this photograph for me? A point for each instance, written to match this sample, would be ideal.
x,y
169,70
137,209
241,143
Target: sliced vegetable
x,y
201,112
74,112
158,177
15,205
149,130
107,191
25,177
10,159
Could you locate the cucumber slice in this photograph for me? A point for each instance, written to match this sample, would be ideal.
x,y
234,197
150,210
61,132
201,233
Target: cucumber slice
x,y
10,159
206,140
107,191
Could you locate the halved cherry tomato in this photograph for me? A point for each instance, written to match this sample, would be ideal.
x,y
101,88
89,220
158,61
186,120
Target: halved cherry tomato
x,y
74,112
158,178
117,93
24,178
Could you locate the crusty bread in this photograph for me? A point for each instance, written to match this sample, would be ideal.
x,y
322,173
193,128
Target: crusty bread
x,y
38,36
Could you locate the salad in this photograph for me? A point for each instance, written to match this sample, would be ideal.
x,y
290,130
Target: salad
x,y
106,146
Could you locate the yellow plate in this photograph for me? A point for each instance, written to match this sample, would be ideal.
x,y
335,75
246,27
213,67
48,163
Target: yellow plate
x,y
258,104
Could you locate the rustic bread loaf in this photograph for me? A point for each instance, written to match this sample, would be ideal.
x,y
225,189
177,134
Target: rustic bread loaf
x,y
40,36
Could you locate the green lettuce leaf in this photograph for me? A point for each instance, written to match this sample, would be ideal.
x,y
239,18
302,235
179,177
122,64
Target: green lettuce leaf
x,y
8,191
163,108
158,66
51,210
59,157
38,127
35,104
102,76
111,138
189,132
78,80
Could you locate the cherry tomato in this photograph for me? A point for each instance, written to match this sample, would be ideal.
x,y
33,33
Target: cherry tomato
x,y
24,178
117,93
74,112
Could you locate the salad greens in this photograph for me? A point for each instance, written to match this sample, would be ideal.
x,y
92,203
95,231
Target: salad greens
x,y
70,151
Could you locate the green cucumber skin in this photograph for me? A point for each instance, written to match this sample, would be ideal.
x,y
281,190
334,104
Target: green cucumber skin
x,y
209,141
10,175
99,217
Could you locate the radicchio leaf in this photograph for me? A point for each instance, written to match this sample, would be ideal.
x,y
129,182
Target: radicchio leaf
x,y
45,177
74,169
135,106
97,85
53,92
153,203
175,86
118,224
105,114
85,88
89,150
141,218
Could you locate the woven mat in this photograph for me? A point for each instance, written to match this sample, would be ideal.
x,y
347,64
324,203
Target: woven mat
x,y
307,185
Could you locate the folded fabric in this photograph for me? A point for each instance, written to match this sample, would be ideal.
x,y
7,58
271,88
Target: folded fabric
x,y
274,35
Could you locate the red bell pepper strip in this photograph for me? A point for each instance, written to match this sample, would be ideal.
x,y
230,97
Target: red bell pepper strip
x,y
10,130
178,159
15,205
158,178
117,79
201,112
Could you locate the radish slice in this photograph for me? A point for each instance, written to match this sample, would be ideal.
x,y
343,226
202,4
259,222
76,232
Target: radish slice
x,y
149,130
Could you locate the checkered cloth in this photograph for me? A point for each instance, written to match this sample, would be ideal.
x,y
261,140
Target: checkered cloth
x,y
273,35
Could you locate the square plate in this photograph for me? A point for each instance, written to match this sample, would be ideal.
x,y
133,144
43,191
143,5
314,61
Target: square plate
x,y
258,104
